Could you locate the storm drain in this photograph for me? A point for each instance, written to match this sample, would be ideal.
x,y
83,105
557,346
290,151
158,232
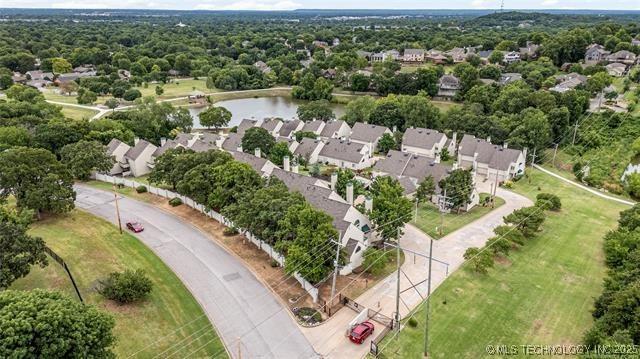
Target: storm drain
x,y
231,277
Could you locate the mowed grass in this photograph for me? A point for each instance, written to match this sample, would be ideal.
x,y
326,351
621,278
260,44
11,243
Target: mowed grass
x,y
541,294
78,113
170,323
176,88
428,219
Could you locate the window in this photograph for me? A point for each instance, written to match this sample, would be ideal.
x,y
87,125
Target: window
x,y
358,248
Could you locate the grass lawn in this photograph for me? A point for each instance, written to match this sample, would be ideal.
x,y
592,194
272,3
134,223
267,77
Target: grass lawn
x,y
176,88
51,95
541,294
169,320
78,113
429,217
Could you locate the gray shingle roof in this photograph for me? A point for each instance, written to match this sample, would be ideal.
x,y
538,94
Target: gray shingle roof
x,y
203,146
232,142
113,145
184,138
135,151
167,145
312,126
288,127
255,162
270,124
307,146
245,124
343,150
366,132
408,165
495,156
421,138
331,128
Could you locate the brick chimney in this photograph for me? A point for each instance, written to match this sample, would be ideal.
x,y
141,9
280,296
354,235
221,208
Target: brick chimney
x,y
286,164
350,193
257,152
334,180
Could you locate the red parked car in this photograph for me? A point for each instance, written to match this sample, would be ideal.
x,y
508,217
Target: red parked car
x,y
361,332
136,227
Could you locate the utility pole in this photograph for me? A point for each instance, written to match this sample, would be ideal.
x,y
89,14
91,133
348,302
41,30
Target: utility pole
x,y
443,206
555,151
533,157
426,326
239,349
575,131
115,195
335,268
398,283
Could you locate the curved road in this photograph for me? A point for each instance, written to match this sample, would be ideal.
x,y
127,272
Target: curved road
x,y
237,304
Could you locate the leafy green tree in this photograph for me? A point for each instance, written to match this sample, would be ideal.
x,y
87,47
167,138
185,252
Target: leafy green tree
x,y
359,82
132,94
57,133
598,82
12,136
388,112
348,176
305,134
127,287
359,110
548,201
159,90
24,93
427,80
46,324
278,152
36,180
171,167
459,187
528,220
86,97
216,116
315,110
633,184
387,142
468,76
257,137
496,57
391,210
18,250
418,111
111,103
60,65
533,131
630,218
479,260
375,260
426,189
84,157
231,181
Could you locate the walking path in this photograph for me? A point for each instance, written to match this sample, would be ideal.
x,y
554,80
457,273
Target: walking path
x,y
583,187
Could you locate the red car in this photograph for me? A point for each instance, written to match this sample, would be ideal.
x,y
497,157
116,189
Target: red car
x,y
361,332
136,227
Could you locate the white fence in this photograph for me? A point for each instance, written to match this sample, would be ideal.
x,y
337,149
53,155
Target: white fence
x,y
310,288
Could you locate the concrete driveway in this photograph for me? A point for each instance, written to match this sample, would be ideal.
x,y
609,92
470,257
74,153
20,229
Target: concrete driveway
x,y
236,303
329,339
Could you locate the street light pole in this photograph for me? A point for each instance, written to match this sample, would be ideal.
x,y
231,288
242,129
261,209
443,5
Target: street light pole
x,y
115,195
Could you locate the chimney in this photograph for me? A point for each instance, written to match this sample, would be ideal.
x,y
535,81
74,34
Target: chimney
x,y
437,159
163,140
334,180
286,164
475,161
454,138
368,204
294,168
350,193
489,139
257,152
454,166
394,129
136,140
524,154
505,145
239,148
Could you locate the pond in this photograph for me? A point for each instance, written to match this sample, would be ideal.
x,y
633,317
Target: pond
x,y
259,108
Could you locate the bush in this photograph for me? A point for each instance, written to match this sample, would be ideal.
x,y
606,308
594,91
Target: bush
x,y
374,260
175,201
141,189
274,263
230,231
548,201
127,287
413,322
507,184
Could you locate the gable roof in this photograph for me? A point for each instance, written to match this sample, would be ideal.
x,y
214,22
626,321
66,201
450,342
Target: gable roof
x,y
495,156
312,126
203,146
245,124
167,145
135,151
332,127
113,145
307,146
409,165
367,132
288,127
270,124
232,142
422,137
343,150
257,163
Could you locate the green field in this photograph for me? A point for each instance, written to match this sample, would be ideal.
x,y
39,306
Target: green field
x,y
176,88
78,113
541,294
428,219
51,95
169,323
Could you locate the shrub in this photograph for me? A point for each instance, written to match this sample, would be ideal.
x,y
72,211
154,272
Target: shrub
x,y
548,201
141,189
480,261
274,263
374,260
230,231
175,201
507,184
127,287
413,322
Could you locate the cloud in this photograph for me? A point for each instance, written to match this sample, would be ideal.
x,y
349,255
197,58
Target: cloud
x,y
252,5
480,3
549,2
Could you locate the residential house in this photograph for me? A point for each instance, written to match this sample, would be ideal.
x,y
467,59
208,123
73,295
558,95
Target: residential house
x,y
508,78
345,154
289,128
263,67
530,51
595,53
490,160
39,75
436,56
335,129
635,42
364,54
457,54
272,125
308,150
244,125
391,55
569,82
413,55
233,142
329,73
616,69
73,76
137,159
426,142
315,126
511,57
261,165
484,55
291,143
448,87
18,78
116,149
368,134
623,56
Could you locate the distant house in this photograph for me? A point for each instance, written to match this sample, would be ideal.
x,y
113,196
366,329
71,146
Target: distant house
x,y
490,160
137,159
263,67
635,42
426,142
335,129
18,78
368,134
39,75
364,54
622,56
448,87
308,150
73,76
116,149
508,78
413,55
272,125
436,56
511,57
315,126
288,128
233,142
457,54
616,69
259,164
244,125
391,55
345,154
595,53
530,51
484,55
291,143
329,73
569,82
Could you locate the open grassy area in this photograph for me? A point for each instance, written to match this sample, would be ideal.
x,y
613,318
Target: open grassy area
x,y
78,113
176,88
169,323
51,95
428,219
541,294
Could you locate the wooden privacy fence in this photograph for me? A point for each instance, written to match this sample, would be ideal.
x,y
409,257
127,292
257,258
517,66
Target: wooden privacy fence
x,y
265,247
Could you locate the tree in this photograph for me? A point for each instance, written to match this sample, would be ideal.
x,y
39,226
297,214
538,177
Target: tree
x,y
86,97
46,324
528,220
84,157
391,209
257,137
630,218
11,136
533,131
315,110
598,82
305,134
68,87
375,260
359,82
159,90
216,116
111,103
359,110
60,65
480,261
127,287
36,179
18,250
458,186
230,182
278,152
348,176
548,201
132,94
496,57
171,166
426,189
387,142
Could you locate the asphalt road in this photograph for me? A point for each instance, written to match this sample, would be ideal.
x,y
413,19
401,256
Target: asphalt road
x,y
236,303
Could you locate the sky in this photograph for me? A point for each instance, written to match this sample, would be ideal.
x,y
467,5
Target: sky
x,y
323,4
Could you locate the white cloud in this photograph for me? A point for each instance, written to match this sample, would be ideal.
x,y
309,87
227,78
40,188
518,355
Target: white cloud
x,y
252,5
